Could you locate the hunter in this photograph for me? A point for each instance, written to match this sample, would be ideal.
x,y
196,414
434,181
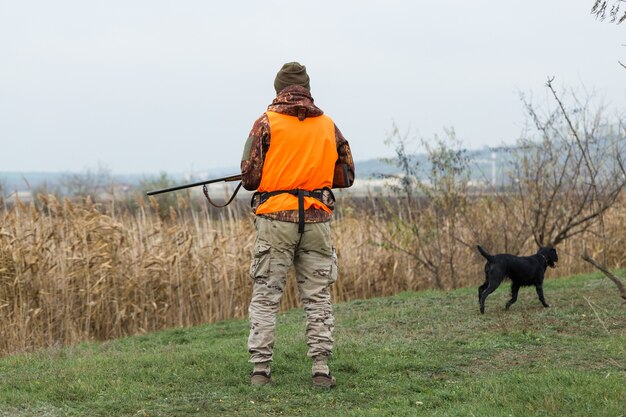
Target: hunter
x,y
294,155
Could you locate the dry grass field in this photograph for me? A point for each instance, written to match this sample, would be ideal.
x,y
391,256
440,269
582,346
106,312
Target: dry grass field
x,y
72,271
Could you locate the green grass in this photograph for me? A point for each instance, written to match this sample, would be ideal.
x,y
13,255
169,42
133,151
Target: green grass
x,y
428,353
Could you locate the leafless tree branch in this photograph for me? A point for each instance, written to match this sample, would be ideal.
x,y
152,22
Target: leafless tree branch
x,y
572,176
601,10
618,282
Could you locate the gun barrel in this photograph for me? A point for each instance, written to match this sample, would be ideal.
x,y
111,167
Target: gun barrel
x,y
195,184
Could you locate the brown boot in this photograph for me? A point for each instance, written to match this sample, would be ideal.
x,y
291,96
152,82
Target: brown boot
x,y
321,374
262,374
261,378
321,380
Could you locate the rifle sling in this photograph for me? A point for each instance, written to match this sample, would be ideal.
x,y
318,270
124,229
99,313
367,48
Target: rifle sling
x,y
205,190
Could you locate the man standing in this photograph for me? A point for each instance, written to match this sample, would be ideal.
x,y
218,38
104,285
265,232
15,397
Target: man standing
x,y
294,155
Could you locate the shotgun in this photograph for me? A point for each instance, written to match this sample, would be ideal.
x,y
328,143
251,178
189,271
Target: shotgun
x,y
204,188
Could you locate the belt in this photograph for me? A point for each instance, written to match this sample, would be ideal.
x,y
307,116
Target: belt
x,y
317,194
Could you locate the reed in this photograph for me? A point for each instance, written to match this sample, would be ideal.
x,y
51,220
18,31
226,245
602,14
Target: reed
x,y
72,271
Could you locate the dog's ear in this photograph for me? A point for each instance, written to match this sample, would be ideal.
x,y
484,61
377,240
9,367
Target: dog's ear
x,y
553,250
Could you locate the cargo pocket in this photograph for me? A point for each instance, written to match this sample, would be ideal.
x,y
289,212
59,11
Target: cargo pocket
x,y
334,268
260,267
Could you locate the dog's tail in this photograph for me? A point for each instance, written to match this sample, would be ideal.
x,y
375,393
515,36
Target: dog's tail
x,y
485,254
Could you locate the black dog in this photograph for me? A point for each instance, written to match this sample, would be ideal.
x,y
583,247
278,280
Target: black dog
x,y
522,270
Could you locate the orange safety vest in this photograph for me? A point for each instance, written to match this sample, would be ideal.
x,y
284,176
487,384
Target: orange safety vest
x,y
302,155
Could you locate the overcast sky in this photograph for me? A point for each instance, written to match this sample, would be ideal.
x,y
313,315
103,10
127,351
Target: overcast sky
x,y
144,86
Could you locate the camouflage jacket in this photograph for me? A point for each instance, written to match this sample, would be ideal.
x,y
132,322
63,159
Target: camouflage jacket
x,y
293,101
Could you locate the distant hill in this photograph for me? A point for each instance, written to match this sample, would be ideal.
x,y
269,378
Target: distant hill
x,y
22,181
482,167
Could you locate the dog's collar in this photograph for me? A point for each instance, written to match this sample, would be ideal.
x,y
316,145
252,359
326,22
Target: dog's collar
x,y
544,258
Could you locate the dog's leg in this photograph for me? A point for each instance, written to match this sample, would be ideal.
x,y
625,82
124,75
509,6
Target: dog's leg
x,y
481,289
514,290
539,288
486,283
495,275
483,296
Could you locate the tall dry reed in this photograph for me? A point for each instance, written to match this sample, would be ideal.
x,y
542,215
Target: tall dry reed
x,y
75,271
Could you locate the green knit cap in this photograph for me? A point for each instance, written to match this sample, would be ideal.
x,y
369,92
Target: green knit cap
x,y
292,73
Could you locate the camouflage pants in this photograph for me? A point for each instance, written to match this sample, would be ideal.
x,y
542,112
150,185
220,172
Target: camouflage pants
x,y
278,245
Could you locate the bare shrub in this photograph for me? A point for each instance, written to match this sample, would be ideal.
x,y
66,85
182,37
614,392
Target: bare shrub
x,y
90,182
431,202
570,170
